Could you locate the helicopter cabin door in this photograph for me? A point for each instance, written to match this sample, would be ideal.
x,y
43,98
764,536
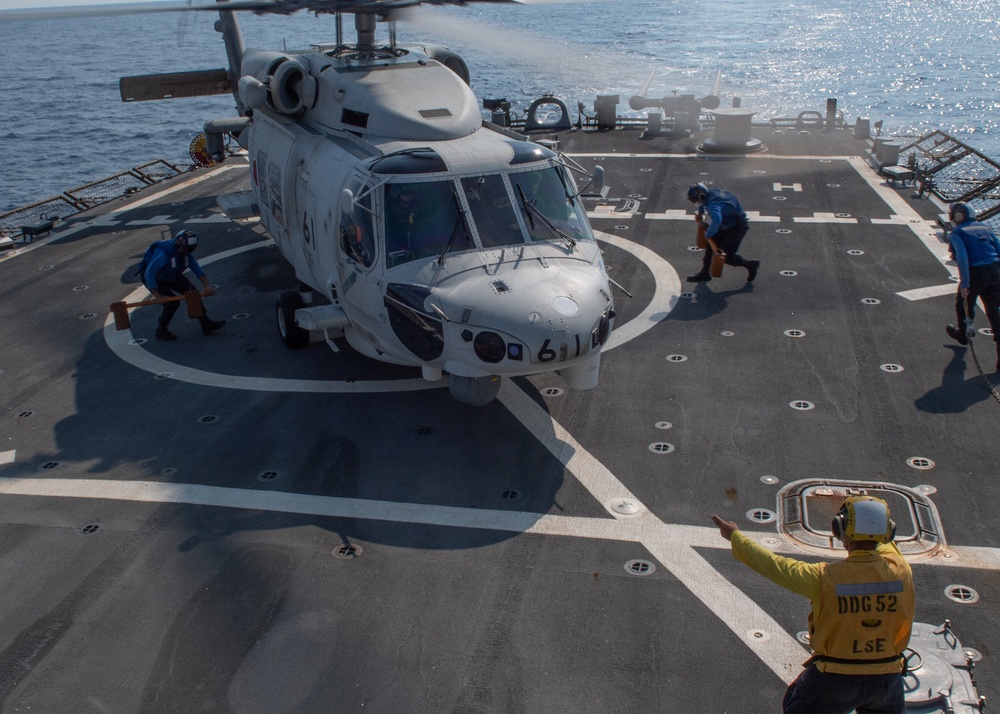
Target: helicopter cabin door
x,y
310,220
358,257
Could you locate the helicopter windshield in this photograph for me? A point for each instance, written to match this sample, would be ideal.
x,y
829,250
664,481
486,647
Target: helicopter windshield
x,y
492,211
549,205
423,220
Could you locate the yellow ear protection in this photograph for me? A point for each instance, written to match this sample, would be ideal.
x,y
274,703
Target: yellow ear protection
x,y
864,518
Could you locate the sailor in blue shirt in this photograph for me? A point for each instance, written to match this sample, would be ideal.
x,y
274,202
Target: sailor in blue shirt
x,y
977,251
727,226
166,261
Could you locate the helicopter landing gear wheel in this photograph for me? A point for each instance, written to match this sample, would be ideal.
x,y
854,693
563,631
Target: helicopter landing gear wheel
x,y
477,391
292,335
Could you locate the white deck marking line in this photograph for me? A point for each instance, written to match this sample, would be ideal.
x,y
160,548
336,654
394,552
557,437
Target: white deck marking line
x,y
929,292
802,157
902,212
8,457
668,289
823,218
109,219
781,652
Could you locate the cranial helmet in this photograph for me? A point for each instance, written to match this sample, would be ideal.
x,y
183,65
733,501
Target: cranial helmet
x,y
187,239
697,192
957,208
864,518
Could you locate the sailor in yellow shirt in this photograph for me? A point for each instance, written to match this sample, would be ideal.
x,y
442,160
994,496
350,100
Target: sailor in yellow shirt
x,y
862,612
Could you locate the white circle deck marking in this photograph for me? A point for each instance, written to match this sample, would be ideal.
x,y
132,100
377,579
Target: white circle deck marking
x,y
664,299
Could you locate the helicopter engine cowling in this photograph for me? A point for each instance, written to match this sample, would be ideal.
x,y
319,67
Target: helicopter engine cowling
x,y
450,59
292,88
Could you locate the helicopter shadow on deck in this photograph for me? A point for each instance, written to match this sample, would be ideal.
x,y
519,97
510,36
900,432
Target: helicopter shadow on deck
x,y
419,447
957,391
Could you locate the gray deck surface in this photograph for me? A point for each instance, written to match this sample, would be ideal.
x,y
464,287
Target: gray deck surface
x,y
493,573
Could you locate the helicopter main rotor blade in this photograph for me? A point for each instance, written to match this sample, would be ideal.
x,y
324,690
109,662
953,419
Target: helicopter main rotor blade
x,y
260,7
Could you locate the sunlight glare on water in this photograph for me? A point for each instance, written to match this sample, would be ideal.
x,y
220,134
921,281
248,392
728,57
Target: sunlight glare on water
x,y
910,64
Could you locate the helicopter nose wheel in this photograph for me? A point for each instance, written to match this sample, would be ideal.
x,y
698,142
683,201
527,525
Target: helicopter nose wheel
x,y
292,335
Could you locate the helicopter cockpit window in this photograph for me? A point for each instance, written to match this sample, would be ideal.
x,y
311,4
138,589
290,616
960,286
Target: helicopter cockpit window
x,y
423,220
549,207
356,234
492,211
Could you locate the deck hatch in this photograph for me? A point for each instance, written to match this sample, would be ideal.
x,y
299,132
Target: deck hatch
x,y
805,509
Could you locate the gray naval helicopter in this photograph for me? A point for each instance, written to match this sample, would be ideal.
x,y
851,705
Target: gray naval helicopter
x,y
435,239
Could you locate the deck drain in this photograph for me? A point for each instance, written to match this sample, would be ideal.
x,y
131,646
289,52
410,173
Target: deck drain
x,y
833,185
802,405
269,475
80,288
168,471
241,315
510,494
645,170
663,425
621,228
926,489
625,507
855,252
164,375
921,463
788,273
794,333
890,367
761,515
208,419
803,637
846,215
695,249
347,552
425,430
640,567
988,331
676,358
635,195
232,230
758,636
759,171
780,198
88,316
871,301
769,480
24,415
783,231
552,392
727,333
46,267
138,341
661,447
773,542
687,295
89,529
49,465
961,593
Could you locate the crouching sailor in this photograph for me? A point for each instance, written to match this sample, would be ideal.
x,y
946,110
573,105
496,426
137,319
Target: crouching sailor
x,y
165,262
862,612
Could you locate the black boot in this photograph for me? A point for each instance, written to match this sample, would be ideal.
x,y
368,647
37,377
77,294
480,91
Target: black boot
x,y
957,335
752,266
209,326
162,333
699,278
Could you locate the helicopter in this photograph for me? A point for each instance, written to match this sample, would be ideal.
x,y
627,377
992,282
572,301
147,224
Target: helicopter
x,y
420,233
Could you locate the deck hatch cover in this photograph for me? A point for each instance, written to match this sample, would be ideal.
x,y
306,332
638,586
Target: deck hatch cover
x,y
805,509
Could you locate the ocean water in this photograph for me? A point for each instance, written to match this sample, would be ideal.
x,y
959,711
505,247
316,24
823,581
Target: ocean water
x,y
914,65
